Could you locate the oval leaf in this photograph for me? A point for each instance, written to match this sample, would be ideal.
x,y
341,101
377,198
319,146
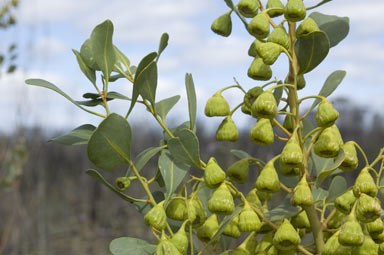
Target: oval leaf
x,y
191,94
131,246
164,106
328,167
284,210
163,44
338,187
142,159
109,146
172,173
185,148
146,82
102,47
88,72
78,136
335,27
311,49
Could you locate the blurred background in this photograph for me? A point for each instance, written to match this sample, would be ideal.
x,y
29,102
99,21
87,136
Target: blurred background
x,y
48,205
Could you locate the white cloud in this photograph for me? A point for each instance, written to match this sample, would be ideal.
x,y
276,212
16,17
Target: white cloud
x,y
48,47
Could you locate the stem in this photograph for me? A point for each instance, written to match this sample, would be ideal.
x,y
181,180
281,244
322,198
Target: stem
x,y
281,85
238,84
329,216
310,97
234,109
269,83
266,12
317,230
362,153
282,128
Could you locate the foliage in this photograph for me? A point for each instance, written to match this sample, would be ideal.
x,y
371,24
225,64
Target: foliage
x,y
213,206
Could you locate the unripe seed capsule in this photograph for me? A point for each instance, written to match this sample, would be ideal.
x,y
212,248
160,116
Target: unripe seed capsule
x,y
291,158
368,209
259,71
227,131
302,194
222,25
306,27
369,247
232,228
166,247
286,237
269,52
221,201
327,145
294,10
248,8
156,217
345,202
365,184
350,161
122,183
248,219
301,220
268,180
375,228
208,229
326,115
333,247
213,174
265,106
239,170
275,4
259,26
351,233
279,36
217,106
262,133
336,221
177,209
180,240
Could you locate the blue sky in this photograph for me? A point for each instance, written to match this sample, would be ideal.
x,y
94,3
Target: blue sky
x,y
48,29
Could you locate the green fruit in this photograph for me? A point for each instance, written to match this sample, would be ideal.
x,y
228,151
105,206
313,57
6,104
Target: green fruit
x,y
248,220
381,249
259,71
232,228
369,247
227,131
302,194
306,27
262,133
248,8
288,122
351,233
294,10
279,36
217,106
300,83
268,180
286,237
365,184
291,158
253,198
350,161
333,247
208,229
252,49
345,202
337,135
180,240
265,106
327,145
269,52
166,247
177,209
275,4
326,115
221,201
375,228
259,26
213,174
222,25
378,238
122,183
368,209
156,217
251,96
263,196
301,220
336,221
239,170
265,242
196,212
248,246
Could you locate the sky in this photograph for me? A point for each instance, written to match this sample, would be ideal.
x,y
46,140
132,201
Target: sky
x,y
48,30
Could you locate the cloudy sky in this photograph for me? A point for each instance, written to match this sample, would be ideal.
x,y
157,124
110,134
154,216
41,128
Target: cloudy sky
x,y
47,30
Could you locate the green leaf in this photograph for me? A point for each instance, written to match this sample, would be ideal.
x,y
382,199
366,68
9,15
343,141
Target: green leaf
x,y
307,126
163,44
191,94
86,53
229,4
335,27
91,103
185,147
277,93
146,82
91,95
164,106
224,223
338,187
117,95
172,172
131,246
289,181
142,159
48,85
122,58
144,63
311,49
240,154
109,146
102,47
88,72
78,136
319,194
96,175
330,85
329,166
284,210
